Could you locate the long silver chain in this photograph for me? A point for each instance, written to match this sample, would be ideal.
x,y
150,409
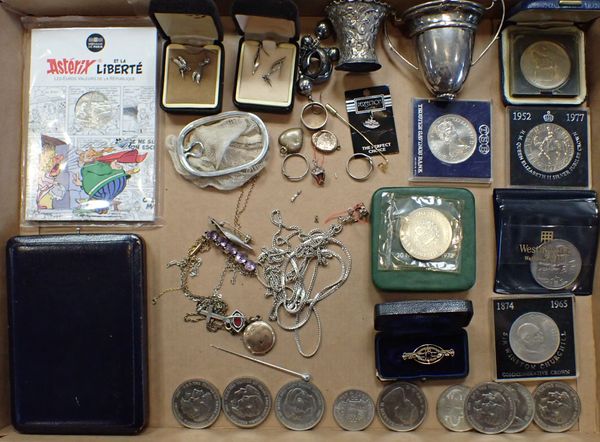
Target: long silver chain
x,y
285,268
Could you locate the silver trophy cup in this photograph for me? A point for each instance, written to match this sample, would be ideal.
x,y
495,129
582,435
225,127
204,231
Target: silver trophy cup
x,y
356,24
443,32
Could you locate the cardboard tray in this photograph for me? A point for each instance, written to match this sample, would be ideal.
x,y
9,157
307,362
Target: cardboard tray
x,y
179,351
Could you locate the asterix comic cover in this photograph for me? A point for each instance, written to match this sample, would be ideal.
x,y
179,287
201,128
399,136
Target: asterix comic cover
x,y
90,152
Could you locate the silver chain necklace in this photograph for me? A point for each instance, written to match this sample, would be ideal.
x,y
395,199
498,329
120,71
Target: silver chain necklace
x,y
289,271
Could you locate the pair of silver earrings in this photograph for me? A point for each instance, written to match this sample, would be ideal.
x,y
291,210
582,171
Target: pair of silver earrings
x,y
275,67
184,67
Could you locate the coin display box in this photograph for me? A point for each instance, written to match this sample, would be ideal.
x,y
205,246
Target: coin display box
x,y
420,340
192,30
543,52
527,218
452,141
549,147
275,24
421,279
534,338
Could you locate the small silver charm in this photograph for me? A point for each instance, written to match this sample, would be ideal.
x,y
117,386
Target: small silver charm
x,y
275,67
181,64
197,74
256,64
371,122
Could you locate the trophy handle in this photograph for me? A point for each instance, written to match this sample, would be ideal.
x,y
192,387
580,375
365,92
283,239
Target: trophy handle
x,y
497,34
395,51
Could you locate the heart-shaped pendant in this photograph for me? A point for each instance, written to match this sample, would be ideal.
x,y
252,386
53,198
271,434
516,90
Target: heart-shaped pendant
x,y
290,141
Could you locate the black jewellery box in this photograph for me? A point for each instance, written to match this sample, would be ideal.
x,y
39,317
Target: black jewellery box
x,y
543,51
271,27
193,31
77,334
422,339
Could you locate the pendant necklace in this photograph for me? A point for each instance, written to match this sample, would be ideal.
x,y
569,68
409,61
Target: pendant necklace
x,y
258,336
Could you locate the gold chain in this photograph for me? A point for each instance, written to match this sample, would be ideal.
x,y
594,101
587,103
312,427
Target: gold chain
x,y
188,266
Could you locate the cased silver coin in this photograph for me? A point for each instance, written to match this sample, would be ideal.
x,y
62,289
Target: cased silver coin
x,y
353,410
545,65
451,408
299,405
452,139
402,406
549,147
425,233
246,402
525,408
490,408
557,407
93,110
556,264
534,337
196,403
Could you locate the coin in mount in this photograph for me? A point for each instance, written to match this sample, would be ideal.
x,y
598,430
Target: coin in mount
x,y
549,147
490,408
246,402
93,110
534,337
545,65
196,403
557,407
452,139
425,233
353,410
299,405
325,141
402,406
451,408
524,408
259,337
555,265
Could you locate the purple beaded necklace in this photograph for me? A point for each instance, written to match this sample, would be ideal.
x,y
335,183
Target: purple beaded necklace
x,y
258,336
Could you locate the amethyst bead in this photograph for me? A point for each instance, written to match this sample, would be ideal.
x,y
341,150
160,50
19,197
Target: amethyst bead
x,y
241,258
250,266
212,235
230,249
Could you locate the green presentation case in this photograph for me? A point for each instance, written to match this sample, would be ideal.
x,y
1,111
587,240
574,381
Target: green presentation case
x,y
419,280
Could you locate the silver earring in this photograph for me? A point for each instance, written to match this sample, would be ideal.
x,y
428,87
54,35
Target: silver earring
x,y
182,64
197,74
256,64
275,67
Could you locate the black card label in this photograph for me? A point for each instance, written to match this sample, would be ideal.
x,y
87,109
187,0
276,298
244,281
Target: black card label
x,y
370,112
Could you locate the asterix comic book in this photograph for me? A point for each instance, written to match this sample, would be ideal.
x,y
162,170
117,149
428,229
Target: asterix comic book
x,y
90,153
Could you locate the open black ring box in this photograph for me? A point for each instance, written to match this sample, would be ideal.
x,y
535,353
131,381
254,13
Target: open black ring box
x,y
422,339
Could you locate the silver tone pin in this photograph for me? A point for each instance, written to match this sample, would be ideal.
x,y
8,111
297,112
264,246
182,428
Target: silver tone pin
x,y
295,196
304,376
384,165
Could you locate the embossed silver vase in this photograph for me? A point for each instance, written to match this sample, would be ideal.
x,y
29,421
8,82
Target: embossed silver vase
x,y
356,24
443,32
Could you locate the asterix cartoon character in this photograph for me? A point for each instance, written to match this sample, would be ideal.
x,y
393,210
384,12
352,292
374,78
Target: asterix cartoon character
x,y
104,176
52,164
